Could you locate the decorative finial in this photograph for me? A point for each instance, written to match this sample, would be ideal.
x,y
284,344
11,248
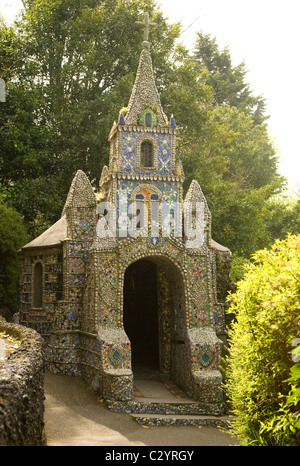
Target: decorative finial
x,y
172,122
146,25
121,119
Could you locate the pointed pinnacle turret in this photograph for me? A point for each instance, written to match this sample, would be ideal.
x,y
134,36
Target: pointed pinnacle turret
x,y
144,93
81,193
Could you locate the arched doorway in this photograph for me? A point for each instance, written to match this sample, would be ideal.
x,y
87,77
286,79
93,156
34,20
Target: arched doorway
x,y
141,313
154,316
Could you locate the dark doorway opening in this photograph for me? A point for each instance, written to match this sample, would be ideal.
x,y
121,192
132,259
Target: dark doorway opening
x,y
141,313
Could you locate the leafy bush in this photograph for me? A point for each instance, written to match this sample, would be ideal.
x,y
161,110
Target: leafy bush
x,y
267,320
237,271
12,236
284,427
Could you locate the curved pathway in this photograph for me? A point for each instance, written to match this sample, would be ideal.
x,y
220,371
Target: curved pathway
x,y
75,417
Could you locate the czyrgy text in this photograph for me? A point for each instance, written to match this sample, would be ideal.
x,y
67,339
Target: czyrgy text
x,y
153,455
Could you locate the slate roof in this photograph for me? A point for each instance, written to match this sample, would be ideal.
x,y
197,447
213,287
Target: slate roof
x,y
51,237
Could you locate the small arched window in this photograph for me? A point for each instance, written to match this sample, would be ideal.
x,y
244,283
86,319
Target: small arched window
x,y
146,154
38,286
148,120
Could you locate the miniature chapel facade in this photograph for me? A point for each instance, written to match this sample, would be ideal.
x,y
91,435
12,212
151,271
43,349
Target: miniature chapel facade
x,y
115,283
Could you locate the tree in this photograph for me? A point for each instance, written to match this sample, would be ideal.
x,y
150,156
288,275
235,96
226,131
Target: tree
x,y
236,166
88,53
188,98
69,69
26,169
266,308
230,152
228,82
284,216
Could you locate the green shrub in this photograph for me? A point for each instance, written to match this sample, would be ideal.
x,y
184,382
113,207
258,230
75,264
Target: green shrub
x,y
267,320
237,271
12,237
284,427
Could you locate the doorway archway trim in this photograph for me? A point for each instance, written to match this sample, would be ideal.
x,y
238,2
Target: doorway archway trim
x,y
132,251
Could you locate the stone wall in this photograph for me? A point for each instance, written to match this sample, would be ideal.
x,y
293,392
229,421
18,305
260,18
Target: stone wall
x,y
22,389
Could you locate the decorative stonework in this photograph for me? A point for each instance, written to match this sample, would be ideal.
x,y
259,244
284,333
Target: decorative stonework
x,y
83,283
151,118
116,355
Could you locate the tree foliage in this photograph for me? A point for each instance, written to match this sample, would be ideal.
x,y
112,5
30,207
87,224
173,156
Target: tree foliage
x,y
284,216
227,81
26,169
236,166
266,307
13,235
69,68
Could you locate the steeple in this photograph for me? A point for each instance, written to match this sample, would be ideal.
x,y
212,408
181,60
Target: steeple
x,y
144,93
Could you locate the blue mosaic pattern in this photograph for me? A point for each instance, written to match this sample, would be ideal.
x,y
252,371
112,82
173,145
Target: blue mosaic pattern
x,y
164,144
116,355
168,199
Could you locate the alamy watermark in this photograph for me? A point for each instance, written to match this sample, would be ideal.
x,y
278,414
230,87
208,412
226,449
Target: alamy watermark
x,y
295,342
136,218
2,90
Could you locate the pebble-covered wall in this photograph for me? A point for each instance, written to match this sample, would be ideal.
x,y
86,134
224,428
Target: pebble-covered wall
x,y
22,389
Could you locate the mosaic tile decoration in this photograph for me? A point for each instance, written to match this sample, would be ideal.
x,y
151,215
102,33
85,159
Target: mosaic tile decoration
x,y
82,284
164,320
199,289
167,196
115,349
107,284
116,355
205,356
130,155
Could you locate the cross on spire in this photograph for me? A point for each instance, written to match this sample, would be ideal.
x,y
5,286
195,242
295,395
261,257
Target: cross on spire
x,y
146,25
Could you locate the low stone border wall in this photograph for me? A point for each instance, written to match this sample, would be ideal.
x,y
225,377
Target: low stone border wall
x,y
22,389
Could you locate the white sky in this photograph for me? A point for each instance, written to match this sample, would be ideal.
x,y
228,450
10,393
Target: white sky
x,y
263,33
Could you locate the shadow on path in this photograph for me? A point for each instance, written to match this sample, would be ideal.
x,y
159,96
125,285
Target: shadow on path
x,y
75,417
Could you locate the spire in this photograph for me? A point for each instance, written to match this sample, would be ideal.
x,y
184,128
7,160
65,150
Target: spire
x,y
144,92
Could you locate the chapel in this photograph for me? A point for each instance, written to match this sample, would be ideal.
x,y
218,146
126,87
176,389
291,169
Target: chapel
x,y
126,278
